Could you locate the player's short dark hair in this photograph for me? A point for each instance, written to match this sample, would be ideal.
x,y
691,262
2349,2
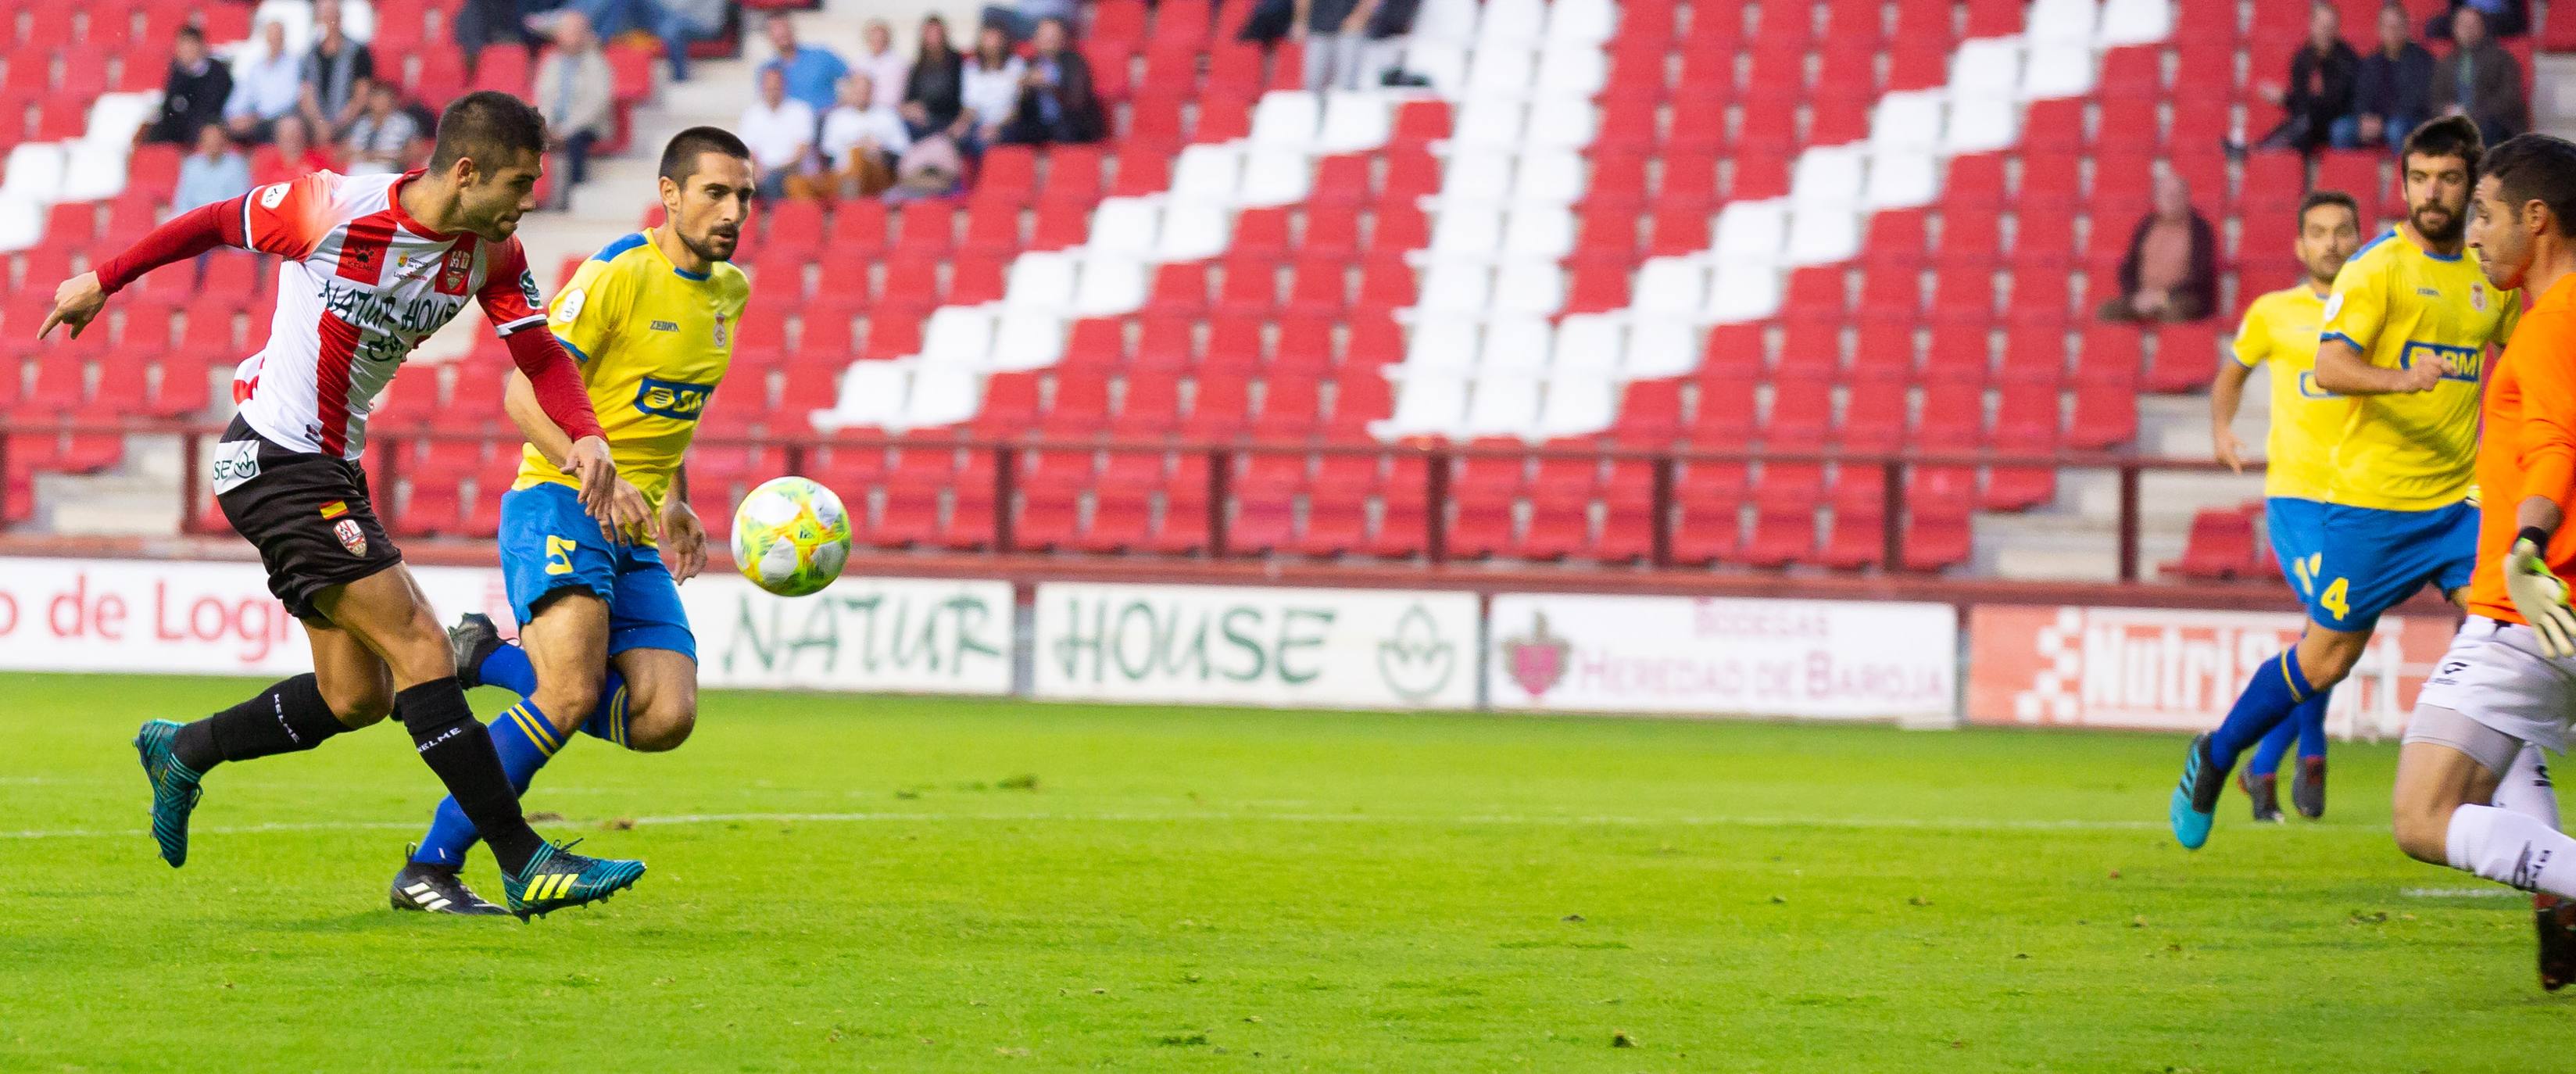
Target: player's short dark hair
x,y
680,157
2318,198
2446,136
190,32
2536,167
486,125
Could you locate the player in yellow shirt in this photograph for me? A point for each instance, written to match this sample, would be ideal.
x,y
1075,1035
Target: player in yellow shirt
x,y
605,644
2406,334
2280,330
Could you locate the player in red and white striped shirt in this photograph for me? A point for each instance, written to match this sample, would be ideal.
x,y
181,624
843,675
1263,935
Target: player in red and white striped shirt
x,y
369,267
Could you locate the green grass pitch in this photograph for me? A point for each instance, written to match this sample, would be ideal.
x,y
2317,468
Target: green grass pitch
x,y
853,883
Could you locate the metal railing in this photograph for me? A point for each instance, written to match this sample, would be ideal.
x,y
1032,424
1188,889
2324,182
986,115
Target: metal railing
x,y
1665,496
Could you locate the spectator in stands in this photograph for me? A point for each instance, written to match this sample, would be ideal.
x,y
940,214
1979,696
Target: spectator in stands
x,y
192,94
992,83
813,73
490,22
779,129
1057,101
2319,94
386,137
2480,80
2504,18
678,23
574,92
270,86
290,154
2392,93
216,171
2171,273
335,75
934,93
862,140
1020,18
887,69
1336,36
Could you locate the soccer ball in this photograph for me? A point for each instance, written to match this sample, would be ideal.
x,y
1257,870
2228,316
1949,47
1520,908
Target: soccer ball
x,y
791,537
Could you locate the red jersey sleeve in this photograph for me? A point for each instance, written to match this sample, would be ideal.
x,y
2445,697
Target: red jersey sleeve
x,y
509,295
290,219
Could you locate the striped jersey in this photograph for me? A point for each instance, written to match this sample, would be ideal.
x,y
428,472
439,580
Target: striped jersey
x,y
359,284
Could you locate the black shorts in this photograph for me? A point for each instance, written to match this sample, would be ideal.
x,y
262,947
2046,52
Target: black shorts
x,y
308,514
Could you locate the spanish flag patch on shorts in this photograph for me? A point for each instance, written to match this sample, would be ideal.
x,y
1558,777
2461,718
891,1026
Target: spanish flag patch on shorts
x,y
335,508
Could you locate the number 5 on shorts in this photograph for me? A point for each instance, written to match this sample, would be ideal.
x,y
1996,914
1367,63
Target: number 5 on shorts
x,y
2333,599
559,555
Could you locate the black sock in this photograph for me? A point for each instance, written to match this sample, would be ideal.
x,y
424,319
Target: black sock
x,y
289,717
460,751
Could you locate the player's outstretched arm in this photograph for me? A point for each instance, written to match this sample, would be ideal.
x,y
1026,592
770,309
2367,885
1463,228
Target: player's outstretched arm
x,y
2226,394
78,301
681,532
2342,370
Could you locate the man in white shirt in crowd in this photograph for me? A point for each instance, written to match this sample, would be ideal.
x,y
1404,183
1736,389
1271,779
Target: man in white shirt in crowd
x,y
861,142
887,70
780,131
266,86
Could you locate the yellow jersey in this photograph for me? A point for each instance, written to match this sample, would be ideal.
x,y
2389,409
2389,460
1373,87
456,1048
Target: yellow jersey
x,y
2396,303
2280,330
653,343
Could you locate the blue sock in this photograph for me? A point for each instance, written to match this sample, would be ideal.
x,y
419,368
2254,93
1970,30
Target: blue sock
x,y
525,741
2267,755
2277,687
508,668
2311,718
608,721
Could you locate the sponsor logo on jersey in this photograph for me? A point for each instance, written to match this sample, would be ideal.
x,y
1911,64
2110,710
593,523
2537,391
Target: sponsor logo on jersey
x,y
528,289
351,537
2333,306
666,326
568,306
672,398
270,197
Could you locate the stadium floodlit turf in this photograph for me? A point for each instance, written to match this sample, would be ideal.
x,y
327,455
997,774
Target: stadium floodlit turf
x,y
903,884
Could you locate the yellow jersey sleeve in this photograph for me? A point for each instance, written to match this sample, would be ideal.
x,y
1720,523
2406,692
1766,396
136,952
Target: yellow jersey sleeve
x,y
589,308
2357,308
2253,335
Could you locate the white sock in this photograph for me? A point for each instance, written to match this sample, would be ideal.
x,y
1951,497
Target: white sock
x,y
2525,787
2512,848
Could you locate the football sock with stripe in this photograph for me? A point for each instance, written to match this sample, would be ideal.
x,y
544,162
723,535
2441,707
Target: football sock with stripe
x,y
2525,787
288,717
525,741
2277,687
608,721
2512,848
2306,727
461,752
507,667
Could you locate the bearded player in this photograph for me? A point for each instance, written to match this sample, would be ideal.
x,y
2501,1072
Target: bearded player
x,y
2471,791
606,648
2280,330
369,266
2405,334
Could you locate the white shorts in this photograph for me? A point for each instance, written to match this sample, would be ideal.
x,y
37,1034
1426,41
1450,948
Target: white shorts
x,y
2494,674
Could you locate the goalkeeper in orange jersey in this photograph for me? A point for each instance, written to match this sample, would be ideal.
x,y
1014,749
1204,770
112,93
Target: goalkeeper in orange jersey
x,y
2471,792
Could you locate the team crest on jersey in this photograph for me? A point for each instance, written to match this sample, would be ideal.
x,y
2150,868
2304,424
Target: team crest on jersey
x,y
453,273
720,329
351,537
2478,297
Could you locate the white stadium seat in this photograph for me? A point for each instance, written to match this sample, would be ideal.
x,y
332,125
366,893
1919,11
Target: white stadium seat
x,y
1192,231
1822,235
942,395
1443,65
1982,125
1670,287
1515,343
1659,347
1124,226
1456,287
1589,344
1442,341
1355,122
2059,69
2061,22
1040,279
1476,176
1286,119
1539,231
1827,176
1511,21
1027,339
1559,121
872,396
1493,122
1207,174
1743,291
957,335
1470,232
1504,69
1587,22
1754,231
1907,121
1548,177
1902,179
1571,69
94,171
1110,286
1986,67
1531,287
2135,22
1503,404
1427,403
35,173
1275,177
1450,22
1577,405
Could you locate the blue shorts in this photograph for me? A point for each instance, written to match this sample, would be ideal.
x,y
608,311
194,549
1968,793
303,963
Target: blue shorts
x,y
2372,560
549,544
2295,527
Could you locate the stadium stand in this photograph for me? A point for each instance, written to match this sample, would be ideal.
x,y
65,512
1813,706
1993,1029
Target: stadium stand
x,y
1819,226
